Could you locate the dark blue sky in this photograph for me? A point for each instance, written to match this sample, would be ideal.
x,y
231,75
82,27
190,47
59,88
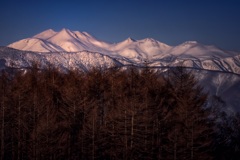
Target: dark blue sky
x,y
172,22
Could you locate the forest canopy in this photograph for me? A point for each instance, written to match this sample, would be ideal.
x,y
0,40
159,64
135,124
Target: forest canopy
x,y
108,114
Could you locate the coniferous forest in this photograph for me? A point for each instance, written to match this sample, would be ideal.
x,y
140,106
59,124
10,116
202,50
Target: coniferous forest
x,y
112,114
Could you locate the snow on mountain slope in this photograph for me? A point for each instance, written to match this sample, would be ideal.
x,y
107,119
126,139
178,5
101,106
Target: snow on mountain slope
x,y
213,63
91,41
195,49
67,41
224,85
35,45
122,45
152,47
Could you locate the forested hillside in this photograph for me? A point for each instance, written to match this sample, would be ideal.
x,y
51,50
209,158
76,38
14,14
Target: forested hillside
x,y
112,114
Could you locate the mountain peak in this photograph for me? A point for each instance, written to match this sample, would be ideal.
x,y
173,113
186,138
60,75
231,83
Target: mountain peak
x,y
149,39
64,34
49,30
64,30
45,34
125,43
129,39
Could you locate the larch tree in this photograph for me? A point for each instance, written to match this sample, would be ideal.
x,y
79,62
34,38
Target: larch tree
x,y
190,135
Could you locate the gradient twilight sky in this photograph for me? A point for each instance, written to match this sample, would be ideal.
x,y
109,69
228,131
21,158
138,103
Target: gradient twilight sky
x,y
214,22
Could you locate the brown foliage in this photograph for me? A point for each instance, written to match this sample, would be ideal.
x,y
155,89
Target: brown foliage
x,y
103,114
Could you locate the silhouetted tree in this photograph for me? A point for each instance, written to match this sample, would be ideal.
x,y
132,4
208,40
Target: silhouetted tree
x,y
118,113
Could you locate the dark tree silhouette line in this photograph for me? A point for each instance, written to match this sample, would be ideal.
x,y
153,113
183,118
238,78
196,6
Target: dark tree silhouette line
x,y
111,114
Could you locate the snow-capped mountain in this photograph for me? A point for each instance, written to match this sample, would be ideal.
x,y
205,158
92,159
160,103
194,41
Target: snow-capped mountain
x,y
74,41
134,51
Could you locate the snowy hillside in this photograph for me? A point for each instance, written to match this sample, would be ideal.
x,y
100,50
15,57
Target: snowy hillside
x,y
83,60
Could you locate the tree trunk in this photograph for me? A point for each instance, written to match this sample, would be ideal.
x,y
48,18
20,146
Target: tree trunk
x,y
19,126
132,131
93,137
2,131
192,142
125,131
